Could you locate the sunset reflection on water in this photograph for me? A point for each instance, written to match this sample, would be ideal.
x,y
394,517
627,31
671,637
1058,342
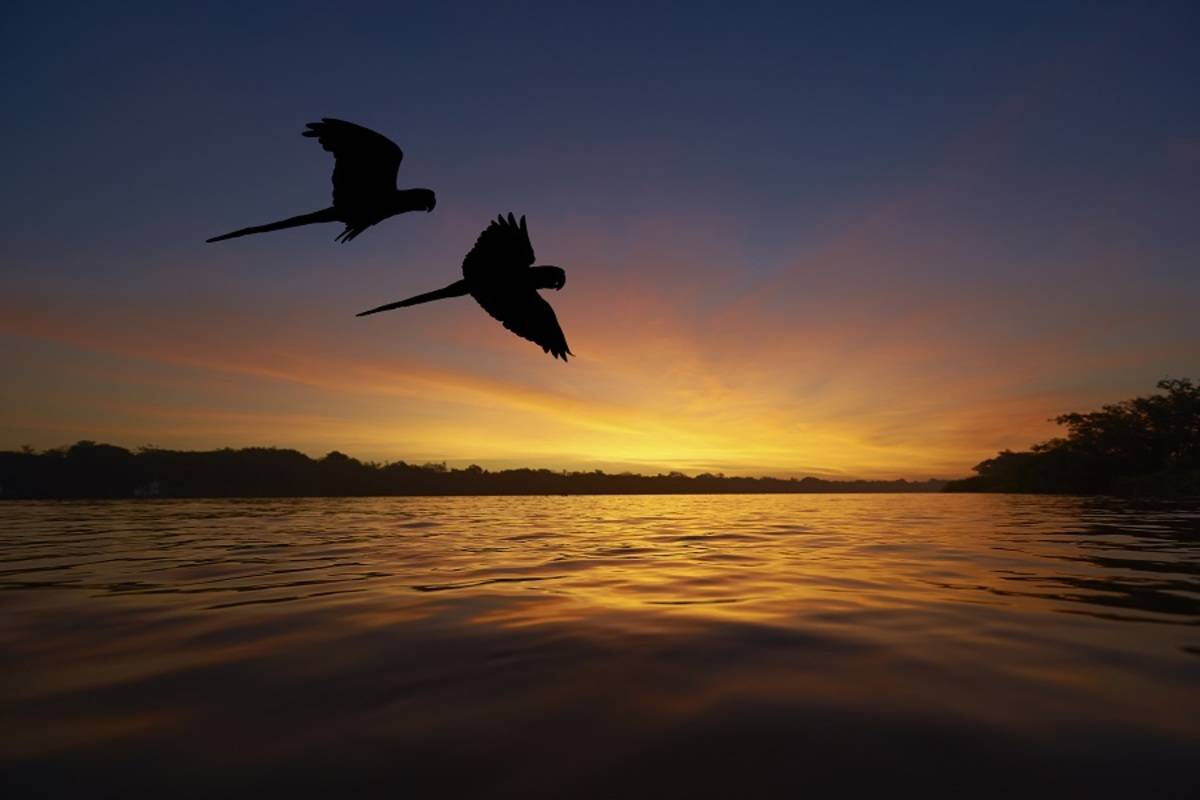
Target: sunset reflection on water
x,y
599,646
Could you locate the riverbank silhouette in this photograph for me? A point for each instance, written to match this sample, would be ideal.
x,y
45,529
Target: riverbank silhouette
x,y
90,470
1144,446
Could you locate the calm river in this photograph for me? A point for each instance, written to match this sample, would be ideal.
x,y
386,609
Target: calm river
x,y
698,646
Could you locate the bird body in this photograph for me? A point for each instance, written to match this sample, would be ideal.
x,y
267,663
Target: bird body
x,y
499,274
365,167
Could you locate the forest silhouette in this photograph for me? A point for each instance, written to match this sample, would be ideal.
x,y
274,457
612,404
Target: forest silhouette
x,y
90,470
1145,446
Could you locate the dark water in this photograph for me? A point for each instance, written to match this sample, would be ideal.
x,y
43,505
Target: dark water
x,y
813,645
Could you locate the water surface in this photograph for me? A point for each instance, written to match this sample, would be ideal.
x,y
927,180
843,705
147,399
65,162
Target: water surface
x,y
814,645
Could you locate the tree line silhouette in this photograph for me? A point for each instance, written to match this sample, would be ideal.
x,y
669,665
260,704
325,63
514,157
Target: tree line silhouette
x,y
90,470
1144,446
1148,445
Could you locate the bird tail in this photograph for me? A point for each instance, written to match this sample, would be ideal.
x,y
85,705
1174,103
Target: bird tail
x,y
456,289
324,215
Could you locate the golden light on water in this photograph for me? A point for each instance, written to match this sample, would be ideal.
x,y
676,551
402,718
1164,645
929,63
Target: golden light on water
x,y
563,635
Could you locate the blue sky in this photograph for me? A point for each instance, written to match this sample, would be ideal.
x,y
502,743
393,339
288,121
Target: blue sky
x,y
838,192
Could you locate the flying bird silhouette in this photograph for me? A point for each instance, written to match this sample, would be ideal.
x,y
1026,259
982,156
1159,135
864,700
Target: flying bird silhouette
x,y
365,165
499,274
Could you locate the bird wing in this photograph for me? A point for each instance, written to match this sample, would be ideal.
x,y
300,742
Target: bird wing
x,y
524,312
365,162
502,248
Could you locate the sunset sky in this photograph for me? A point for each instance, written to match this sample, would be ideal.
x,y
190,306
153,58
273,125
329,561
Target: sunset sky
x,y
828,241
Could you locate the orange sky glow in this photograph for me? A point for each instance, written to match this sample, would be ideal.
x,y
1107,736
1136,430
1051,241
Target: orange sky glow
x,y
780,261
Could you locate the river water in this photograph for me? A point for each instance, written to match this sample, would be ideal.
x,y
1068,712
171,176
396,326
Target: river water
x,y
696,646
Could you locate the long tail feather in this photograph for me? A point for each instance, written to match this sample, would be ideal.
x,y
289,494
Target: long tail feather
x,y
324,215
456,289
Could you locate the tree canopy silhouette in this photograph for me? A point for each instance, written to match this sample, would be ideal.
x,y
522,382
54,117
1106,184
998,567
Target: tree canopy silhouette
x,y
90,470
365,166
1147,445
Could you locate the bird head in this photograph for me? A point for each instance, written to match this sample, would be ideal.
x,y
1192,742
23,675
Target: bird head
x,y
423,200
552,277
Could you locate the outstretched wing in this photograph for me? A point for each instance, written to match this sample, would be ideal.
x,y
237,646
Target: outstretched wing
x,y
525,313
502,248
365,162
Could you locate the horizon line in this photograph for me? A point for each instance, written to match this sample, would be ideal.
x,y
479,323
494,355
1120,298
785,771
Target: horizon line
x,y
465,464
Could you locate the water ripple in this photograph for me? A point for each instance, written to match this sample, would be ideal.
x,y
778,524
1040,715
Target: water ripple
x,y
548,646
